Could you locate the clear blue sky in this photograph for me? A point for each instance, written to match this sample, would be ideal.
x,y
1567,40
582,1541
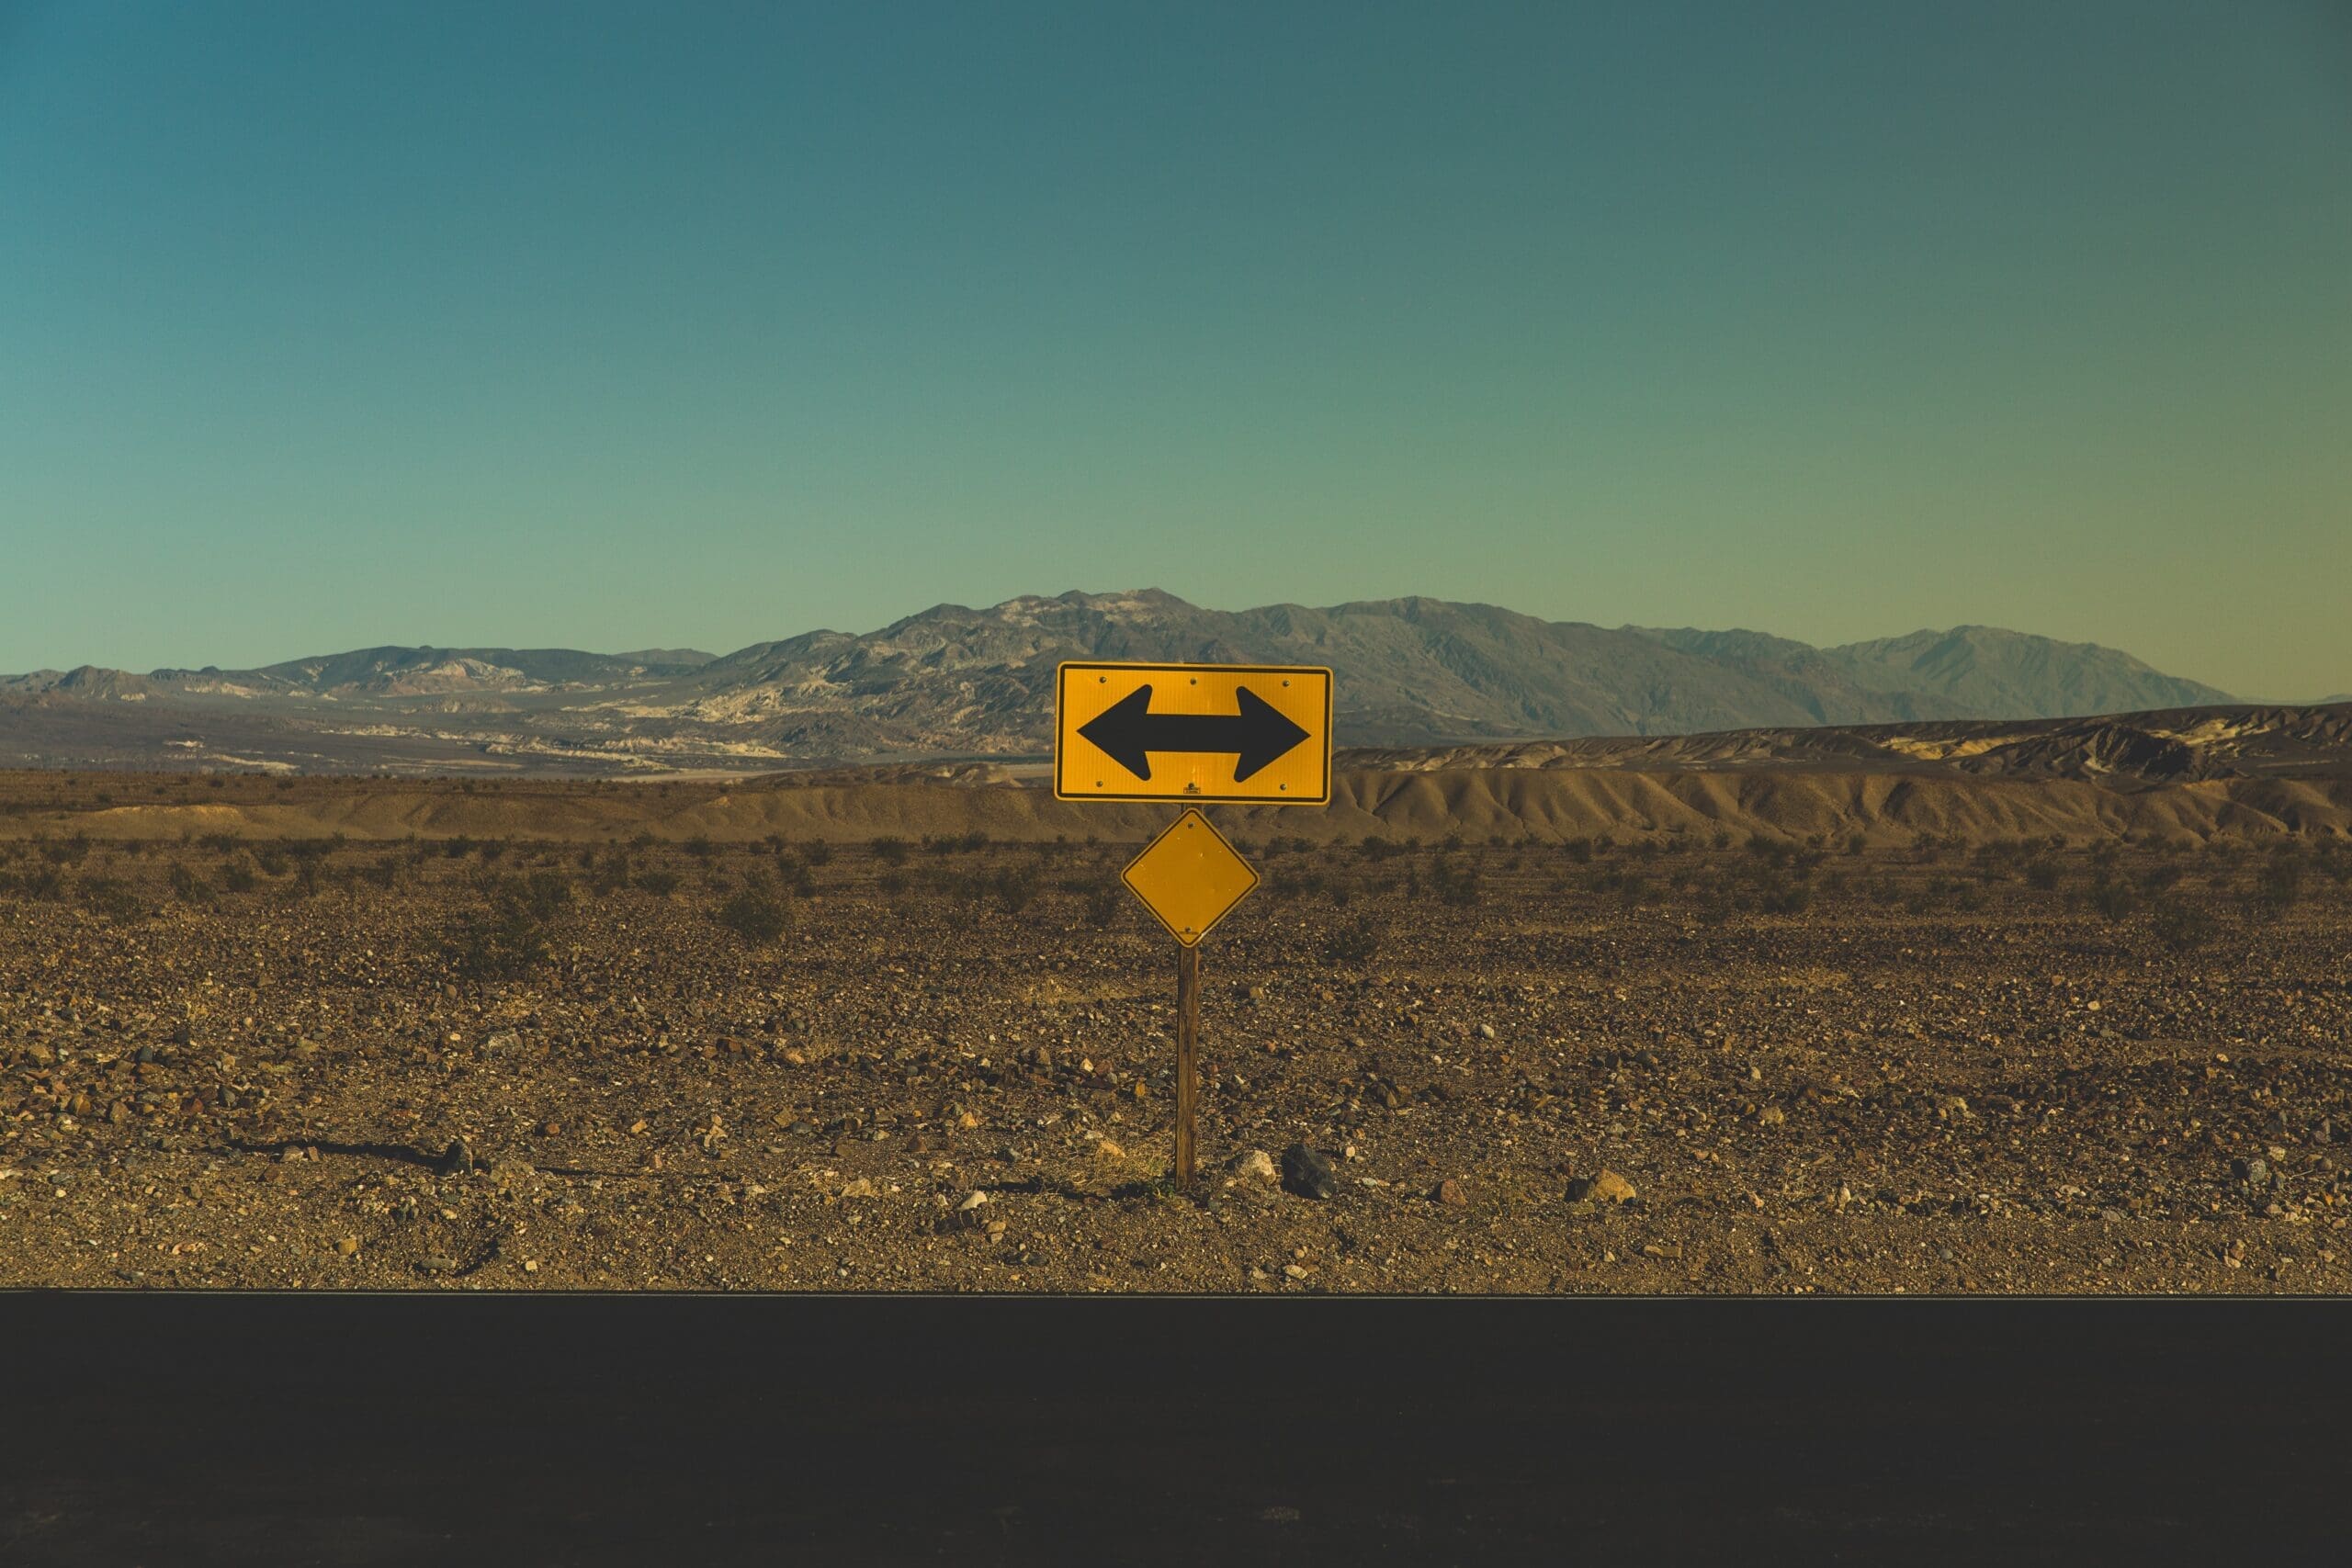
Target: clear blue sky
x,y
330,324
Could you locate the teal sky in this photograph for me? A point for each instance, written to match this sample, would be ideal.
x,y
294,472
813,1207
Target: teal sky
x,y
324,325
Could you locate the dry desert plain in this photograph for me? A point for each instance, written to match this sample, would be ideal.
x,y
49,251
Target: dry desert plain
x,y
896,1033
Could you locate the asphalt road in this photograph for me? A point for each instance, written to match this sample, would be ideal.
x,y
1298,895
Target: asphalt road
x,y
455,1427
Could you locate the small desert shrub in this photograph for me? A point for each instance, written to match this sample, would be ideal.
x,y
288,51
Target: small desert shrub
x,y
610,873
758,913
661,884
1456,885
1016,887
889,850
2112,898
113,898
1352,944
309,857
951,844
2043,875
240,876
43,883
2278,888
700,846
502,938
458,848
1933,894
2183,926
1711,904
273,862
1286,884
188,887
1100,903
544,892
66,851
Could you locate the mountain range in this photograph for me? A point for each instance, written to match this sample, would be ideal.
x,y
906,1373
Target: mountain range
x,y
957,682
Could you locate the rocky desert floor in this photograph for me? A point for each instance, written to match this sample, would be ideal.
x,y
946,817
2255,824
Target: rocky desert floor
x,y
1670,1066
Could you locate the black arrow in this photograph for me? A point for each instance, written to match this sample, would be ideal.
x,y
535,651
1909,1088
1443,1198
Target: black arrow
x,y
1128,731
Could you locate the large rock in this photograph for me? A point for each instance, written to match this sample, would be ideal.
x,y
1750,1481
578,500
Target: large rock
x,y
1253,1165
1308,1173
1608,1186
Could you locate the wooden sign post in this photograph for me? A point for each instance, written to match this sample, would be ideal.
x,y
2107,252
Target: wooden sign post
x,y
1188,1036
1192,732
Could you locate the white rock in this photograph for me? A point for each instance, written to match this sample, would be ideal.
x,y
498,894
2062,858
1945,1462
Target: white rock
x,y
971,1202
1256,1163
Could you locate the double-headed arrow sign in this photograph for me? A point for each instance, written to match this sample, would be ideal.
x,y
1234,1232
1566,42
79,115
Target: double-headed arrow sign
x,y
1193,732
1256,734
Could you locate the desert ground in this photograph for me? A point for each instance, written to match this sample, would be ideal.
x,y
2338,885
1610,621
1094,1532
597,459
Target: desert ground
x,y
319,1034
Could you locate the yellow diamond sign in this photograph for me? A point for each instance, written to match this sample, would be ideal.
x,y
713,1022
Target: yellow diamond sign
x,y
1190,877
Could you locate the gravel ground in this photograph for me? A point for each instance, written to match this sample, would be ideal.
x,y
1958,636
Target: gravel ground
x,y
1531,1068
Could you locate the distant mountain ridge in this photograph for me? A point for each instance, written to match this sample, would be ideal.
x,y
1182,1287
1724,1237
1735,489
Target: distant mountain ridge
x,y
957,681
1967,672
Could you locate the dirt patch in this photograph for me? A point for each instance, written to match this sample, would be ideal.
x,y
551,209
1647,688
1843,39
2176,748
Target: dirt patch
x,y
526,1065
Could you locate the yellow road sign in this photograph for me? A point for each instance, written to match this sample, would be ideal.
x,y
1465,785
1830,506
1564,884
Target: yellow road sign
x,y
1190,877
1251,732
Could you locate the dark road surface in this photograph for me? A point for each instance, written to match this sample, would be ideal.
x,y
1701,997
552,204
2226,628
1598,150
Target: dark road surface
x,y
161,1429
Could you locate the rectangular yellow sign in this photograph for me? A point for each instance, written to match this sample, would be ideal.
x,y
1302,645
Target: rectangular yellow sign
x,y
1243,732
